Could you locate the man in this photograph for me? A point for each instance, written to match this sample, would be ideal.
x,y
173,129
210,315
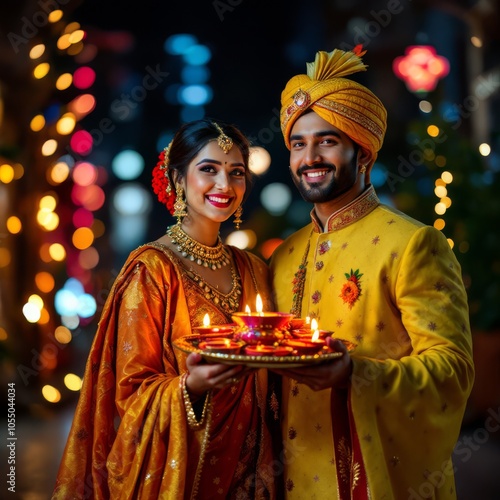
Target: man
x,y
381,421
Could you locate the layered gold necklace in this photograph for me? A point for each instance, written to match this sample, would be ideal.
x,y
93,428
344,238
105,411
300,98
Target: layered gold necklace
x,y
211,257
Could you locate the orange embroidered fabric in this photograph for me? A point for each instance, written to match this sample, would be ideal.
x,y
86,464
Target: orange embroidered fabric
x,y
130,437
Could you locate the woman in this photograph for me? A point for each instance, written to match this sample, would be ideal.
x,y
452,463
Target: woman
x,y
151,421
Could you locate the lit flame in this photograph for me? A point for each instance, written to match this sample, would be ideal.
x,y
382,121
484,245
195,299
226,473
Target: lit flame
x,y
314,327
247,309
258,304
206,320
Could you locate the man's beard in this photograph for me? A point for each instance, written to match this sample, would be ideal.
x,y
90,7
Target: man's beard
x,y
321,193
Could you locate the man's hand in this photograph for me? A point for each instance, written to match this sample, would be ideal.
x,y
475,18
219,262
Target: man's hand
x,y
331,374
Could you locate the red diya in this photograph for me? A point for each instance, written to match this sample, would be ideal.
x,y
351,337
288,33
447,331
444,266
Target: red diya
x,y
214,329
268,350
208,329
260,327
305,346
221,345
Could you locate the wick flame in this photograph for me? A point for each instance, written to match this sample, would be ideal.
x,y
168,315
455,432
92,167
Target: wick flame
x,y
314,327
206,320
247,309
258,303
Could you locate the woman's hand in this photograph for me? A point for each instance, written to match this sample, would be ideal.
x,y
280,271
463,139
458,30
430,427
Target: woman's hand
x,y
333,374
203,376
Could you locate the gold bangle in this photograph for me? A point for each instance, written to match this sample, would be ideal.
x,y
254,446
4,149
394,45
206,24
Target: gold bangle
x,y
190,414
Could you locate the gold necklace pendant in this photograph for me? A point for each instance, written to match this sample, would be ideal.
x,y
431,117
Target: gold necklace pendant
x,y
203,255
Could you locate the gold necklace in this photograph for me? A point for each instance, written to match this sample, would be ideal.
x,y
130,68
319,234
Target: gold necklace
x,y
211,257
227,302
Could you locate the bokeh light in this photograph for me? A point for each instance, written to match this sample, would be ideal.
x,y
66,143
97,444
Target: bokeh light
x,y
127,165
276,198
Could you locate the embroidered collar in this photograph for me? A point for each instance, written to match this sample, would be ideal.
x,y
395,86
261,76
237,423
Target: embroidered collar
x,y
352,212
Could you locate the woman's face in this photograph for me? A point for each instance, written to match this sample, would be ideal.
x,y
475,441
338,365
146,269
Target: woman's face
x,y
215,183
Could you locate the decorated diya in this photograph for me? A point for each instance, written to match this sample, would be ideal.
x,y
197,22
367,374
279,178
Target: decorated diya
x,y
260,327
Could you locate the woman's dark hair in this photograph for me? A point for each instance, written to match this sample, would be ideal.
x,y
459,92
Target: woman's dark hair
x,y
192,137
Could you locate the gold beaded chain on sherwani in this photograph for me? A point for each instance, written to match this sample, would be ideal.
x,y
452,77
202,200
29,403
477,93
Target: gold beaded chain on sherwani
x,y
211,257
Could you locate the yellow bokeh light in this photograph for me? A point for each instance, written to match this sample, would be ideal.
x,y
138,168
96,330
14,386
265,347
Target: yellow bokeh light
x,y
59,172
48,202
484,149
476,41
75,49
57,252
45,253
64,81
76,36
18,170
83,238
44,317
73,382
429,154
6,173
44,281
3,334
37,123
451,242
37,300
63,335
440,191
439,224
55,16
440,161
433,131
98,228
63,42
51,394
41,70
49,147
51,222
70,27
446,201
14,224
447,177
440,208
37,51
66,124
31,312
5,257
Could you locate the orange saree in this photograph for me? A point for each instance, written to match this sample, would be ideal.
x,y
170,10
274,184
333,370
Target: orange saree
x,y
130,436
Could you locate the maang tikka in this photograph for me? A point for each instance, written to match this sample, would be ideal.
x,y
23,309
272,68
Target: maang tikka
x,y
223,141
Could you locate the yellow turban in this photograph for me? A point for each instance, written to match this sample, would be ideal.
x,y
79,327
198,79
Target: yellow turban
x,y
347,105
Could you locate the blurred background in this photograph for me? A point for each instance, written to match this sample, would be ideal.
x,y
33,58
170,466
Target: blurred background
x,y
91,92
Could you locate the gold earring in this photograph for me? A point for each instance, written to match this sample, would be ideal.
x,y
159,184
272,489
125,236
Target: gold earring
x,y
237,217
180,204
362,169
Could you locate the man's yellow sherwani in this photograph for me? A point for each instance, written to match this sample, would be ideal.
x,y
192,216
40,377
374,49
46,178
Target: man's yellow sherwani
x,y
392,286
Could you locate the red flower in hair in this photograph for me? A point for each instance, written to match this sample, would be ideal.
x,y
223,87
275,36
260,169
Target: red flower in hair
x,y
358,50
161,184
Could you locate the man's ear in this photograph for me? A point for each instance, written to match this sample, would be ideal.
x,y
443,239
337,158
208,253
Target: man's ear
x,y
364,157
